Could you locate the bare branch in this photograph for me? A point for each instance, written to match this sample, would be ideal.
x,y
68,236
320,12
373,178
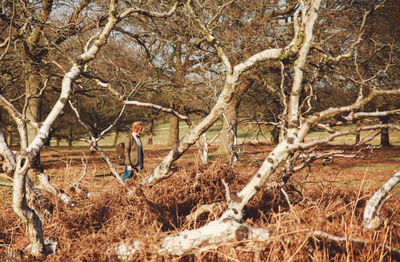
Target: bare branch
x,y
70,77
161,172
345,240
27,97
211,39
358,115
45,184
76,184
208,208
130,11
330,112
342,133
94,142
157,107
19,119
21,208
218,13
352,46
112,124
212,235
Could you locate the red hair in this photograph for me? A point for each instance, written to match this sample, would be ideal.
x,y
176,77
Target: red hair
x,y
137,127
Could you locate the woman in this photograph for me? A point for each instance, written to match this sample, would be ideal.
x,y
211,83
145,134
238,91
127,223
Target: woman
x,y
133,151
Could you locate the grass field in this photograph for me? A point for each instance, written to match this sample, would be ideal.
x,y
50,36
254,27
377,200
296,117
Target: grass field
x,y
246,133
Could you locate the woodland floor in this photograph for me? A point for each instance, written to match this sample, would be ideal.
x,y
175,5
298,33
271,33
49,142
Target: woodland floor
x,y
329,198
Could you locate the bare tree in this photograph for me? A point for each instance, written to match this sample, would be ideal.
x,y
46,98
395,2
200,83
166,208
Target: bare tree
x,y
18,165
300,118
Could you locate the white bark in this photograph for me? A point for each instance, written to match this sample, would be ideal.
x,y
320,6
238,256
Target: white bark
x,y
370,218
282,150
26,158
213,208
223,231
29,152
21,208
110,164
308,18
226,228
45,184
202,151
331,112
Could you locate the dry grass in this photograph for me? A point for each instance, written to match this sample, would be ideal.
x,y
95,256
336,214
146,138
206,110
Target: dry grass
x,y
318,201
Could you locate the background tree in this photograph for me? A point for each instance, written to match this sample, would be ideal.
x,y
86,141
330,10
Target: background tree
x,y
36,37
306,43
380,53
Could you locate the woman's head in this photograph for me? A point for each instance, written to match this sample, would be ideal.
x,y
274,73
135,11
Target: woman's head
x,y
138,127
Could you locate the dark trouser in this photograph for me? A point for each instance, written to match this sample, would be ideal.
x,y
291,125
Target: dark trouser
x,y
127,174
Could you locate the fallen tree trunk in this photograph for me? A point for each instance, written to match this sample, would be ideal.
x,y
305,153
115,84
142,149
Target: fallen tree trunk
x,y
371,218
223,231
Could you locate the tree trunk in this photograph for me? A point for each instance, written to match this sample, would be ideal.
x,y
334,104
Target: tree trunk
x,y
385,132
116,134
173,137
9,157
275,135
228,134
230,123
32,87
8,131
150,131
9,138
70,137
48,140
358,133
21,208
